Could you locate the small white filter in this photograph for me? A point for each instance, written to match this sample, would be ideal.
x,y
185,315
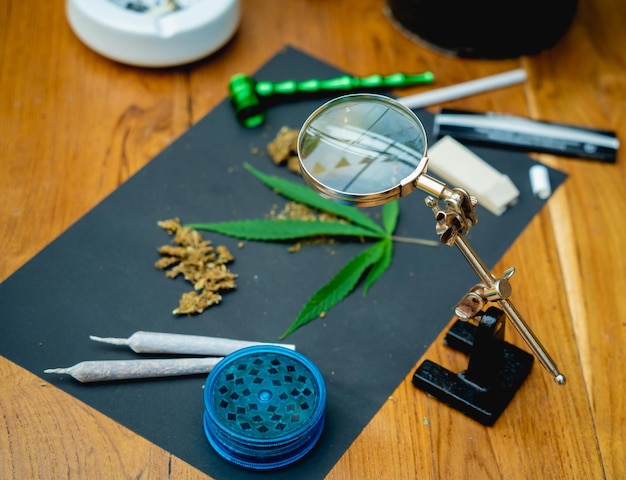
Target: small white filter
x,y
540,181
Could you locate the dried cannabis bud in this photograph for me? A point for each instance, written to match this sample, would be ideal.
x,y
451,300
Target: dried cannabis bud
x,y
284,149
199,263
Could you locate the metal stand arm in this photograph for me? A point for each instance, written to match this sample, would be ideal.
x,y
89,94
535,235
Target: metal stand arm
x,y
500,289
453,223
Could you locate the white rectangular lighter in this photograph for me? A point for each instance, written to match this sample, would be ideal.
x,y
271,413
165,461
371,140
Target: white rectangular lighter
x,y
460,167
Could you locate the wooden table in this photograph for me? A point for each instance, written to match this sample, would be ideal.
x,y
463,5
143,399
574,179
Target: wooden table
x,y
76,125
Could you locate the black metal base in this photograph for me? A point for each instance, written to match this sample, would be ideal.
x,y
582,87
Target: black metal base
x,y
495,371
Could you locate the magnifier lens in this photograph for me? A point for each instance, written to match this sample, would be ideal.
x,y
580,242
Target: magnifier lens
x,y
362,149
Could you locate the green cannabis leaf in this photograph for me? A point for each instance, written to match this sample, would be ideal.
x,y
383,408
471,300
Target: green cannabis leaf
x,y
338,288
266,230
303,194
350,222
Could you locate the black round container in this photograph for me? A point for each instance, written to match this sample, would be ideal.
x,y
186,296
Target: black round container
x,y
488,29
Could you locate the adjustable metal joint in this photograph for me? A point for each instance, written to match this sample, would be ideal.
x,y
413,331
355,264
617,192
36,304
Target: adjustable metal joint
x,y
458,217
501,287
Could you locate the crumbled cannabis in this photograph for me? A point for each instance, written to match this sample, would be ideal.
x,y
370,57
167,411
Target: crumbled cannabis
x,y
284,149
299,211
201,264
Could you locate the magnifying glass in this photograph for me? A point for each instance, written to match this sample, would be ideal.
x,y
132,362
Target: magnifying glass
x,y
368,149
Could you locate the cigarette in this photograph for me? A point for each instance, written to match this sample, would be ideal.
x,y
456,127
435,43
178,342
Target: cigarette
x,y
464,89
112,370
174,343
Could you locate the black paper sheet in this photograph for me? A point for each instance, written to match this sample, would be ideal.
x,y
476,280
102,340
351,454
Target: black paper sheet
x,y
98,279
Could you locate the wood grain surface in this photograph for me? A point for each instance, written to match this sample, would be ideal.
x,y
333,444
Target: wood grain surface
x,y
76,125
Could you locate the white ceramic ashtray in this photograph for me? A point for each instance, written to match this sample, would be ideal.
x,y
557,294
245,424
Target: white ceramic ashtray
x,y
154,33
